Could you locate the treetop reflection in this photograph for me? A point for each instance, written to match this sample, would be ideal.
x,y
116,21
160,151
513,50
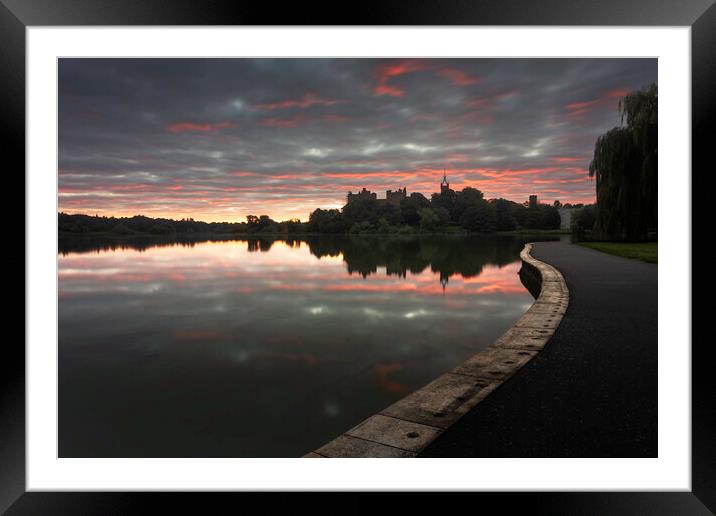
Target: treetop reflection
x,y
364,256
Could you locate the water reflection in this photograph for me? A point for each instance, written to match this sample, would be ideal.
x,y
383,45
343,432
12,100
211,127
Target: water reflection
x,y
465,256
265,347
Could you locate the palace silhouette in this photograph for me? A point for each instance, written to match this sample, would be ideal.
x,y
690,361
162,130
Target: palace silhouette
x,y
393,197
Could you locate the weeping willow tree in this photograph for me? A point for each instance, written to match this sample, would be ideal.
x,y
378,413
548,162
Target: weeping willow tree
x,y
625,168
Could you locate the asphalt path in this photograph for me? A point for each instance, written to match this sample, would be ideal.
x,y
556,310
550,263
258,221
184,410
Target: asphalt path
x,y
592,391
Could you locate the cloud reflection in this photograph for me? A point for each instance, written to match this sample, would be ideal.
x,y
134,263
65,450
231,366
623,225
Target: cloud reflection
x,y
170,350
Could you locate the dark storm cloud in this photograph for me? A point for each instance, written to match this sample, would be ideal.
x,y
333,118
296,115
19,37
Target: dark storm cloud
x,y
216,139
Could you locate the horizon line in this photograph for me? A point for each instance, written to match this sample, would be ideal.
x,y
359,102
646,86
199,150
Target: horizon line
x,y
243,221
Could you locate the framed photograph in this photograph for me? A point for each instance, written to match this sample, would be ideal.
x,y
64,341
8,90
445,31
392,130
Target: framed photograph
x,y
422,243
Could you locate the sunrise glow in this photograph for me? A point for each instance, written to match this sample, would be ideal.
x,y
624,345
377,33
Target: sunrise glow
x,y
218,139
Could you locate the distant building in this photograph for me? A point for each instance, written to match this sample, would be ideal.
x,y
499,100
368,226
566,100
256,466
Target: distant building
x,y
533,201
444,185
565,218
395,197
363,194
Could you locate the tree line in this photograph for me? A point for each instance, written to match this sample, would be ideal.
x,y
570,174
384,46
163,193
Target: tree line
x,y
79,224
465,210
451,211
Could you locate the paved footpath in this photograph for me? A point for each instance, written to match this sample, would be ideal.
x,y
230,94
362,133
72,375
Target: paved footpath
x,y
592,391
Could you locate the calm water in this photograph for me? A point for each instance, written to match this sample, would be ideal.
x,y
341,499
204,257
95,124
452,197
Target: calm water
x,y
262,348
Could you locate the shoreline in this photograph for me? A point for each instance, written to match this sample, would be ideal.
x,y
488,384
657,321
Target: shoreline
x,y
241,236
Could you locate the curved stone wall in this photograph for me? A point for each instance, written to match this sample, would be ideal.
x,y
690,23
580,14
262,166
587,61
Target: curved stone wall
x,y
406,427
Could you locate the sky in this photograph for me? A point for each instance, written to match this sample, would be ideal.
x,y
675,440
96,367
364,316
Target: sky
x,y
219,139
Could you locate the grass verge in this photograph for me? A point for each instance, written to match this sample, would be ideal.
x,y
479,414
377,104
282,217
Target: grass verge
x,y
644,251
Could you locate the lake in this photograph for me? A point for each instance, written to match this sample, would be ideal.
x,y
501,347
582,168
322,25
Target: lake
x,y
263,347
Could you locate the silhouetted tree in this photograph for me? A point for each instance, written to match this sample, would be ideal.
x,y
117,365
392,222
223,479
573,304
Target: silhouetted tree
x,y
504,218
411,206
466,198
445,200
625,168
429,220
584,218
549,217
479,217
361,209
326,221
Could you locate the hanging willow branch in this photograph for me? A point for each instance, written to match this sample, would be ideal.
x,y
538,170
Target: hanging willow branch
x,y
625,168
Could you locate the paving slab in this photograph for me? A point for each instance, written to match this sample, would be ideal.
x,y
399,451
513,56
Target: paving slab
x,y
560,299
347,446
395,432
442,402
495,363
533,339
548,308
553,288
537,320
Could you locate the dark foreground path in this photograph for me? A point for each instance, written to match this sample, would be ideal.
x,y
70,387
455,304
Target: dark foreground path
x,y
592,391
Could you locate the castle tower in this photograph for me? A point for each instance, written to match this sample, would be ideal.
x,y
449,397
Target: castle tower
x,y
395,197
363,194
444,185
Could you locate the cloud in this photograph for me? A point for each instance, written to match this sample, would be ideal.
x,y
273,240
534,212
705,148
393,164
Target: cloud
x,y
390,70
217,139
187,127
579,109
308,100
458,77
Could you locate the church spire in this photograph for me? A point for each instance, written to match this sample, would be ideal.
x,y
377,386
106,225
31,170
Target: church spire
x,y
444,185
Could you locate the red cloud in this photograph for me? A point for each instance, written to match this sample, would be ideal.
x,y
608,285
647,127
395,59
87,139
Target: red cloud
x,y
184,127
387,71
487,101
384,89
308,100
617,93
562,178
582,107
578,109
458,77
565,159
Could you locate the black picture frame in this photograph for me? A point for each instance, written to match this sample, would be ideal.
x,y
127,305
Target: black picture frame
x,y
17,15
